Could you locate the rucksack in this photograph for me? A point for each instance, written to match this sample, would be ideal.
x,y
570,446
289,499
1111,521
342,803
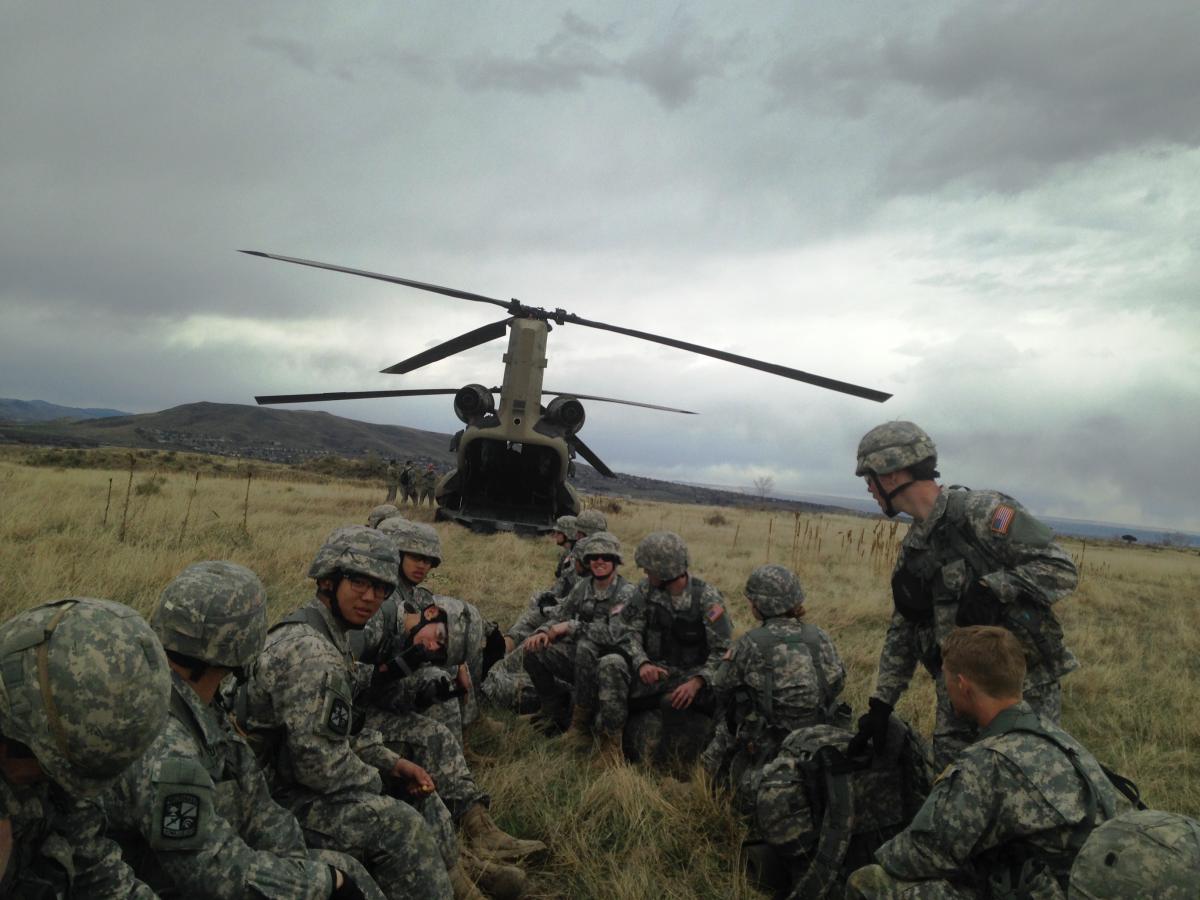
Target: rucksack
x,y
824,813
1139,853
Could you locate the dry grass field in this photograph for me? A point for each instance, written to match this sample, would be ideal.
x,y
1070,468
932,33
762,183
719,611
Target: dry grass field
x,y
629,832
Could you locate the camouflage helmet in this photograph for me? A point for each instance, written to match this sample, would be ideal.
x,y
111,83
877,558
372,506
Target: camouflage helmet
x,y
85,685
663,554
602,543
590,521
1139,854
394,524
357,550
381,512
419,539
774,589
213,611
893,446
568,525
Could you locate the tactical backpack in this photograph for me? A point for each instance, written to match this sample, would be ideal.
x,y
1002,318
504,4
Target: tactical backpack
x,y
822,814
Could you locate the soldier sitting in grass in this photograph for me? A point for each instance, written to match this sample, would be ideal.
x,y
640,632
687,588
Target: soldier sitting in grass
x,y
84,688
686,631
1015,807
194,813
595,621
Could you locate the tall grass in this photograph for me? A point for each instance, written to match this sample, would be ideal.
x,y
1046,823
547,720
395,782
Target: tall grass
x,y
628,832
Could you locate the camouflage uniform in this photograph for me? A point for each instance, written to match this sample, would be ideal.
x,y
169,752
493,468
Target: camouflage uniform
x,y
392,476
978,558
602,625
688,636
426,484
1025,790
238,842
408,483
84,685
1022,562
1139,853
301,697
783,675
241,842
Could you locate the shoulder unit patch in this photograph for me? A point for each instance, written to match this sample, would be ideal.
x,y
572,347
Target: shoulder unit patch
x,y
339,716
1002,519
180,816
715,612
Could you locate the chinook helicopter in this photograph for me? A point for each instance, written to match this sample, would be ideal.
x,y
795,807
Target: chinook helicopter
x,y
514,458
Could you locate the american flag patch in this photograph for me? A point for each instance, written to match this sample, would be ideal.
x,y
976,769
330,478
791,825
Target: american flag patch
x,y
1002,518
715,612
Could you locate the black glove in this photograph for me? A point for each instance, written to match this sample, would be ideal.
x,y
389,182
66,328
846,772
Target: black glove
x,y
402,664
432,692
978,606
546,600
872,728
493,649
349,890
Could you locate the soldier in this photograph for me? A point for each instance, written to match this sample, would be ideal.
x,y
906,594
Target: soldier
x,y
408,482
84,688
588,523
212,621
595,621
327,767
783,675
970,558
392,476
686,632
1013,809
563,535
428,483
381,512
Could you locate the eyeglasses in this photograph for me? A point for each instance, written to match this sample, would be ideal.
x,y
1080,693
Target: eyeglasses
x,y
361,585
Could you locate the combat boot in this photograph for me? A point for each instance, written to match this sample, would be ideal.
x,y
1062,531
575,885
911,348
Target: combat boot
x,y
498,880
486,839
578,735
462,884
610,752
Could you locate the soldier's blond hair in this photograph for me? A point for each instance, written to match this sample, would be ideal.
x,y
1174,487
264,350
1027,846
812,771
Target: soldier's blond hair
x,y
987,655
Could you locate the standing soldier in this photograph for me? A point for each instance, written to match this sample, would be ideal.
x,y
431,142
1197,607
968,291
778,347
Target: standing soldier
x,y
970,558
212,621
687,630
408,482
84,688
428,482
783,675
328,769
393,481
1009,815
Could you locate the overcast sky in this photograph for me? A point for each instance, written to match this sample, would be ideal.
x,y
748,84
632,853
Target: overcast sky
x,y
988,209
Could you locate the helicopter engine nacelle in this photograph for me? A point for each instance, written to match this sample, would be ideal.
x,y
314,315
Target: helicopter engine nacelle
x,y
473,402
567,413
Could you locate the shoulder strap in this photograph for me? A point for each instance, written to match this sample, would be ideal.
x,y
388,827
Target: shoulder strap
x,y
306,615
825,866
962,540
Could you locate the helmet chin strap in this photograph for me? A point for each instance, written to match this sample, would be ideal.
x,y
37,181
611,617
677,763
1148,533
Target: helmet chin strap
x,y
888,510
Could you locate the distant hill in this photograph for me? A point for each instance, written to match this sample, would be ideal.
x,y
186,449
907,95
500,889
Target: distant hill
x,y
296,436
41,411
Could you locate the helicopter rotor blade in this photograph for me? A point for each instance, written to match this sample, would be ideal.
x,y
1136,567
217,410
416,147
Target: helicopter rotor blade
x,y
350,395
686,412
450,347
587,453
784,371
419,285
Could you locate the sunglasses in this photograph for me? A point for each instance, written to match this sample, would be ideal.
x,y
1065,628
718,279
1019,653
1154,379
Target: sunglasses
x,y
612,560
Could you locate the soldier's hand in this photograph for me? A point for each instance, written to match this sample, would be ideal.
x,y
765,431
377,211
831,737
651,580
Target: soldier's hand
x,y
464,678
344,887
978,606
559,630
872,728
652,674
416,780
509,644
536,642
682,696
